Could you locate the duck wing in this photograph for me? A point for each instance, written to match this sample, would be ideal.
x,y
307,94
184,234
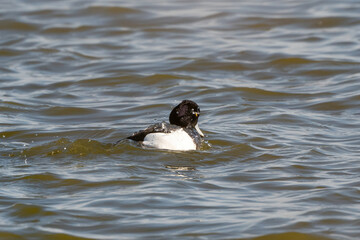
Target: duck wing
x,y
156,128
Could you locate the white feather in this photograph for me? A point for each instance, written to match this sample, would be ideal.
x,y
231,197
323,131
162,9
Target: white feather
x,y
177,140
198,130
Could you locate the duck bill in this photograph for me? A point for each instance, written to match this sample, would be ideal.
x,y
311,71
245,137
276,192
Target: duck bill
x,y
198,130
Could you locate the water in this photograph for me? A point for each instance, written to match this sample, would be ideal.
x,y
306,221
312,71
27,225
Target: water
x,y
278,86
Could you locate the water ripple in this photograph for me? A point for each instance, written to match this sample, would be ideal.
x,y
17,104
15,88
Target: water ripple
x,y
277,83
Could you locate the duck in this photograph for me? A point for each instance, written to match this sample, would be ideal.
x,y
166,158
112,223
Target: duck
x,y
181,134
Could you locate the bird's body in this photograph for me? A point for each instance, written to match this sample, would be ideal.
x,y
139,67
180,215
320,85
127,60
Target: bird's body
x,y
181,134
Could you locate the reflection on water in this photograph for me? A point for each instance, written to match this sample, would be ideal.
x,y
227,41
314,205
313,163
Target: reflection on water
x,y
185,172
277,83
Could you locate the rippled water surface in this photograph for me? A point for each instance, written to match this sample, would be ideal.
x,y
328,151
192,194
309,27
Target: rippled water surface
x,y
278,86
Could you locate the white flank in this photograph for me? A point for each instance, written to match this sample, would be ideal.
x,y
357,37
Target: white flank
x,y
177,140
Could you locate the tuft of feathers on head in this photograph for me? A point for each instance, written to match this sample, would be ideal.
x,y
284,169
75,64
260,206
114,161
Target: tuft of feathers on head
x,y
185,114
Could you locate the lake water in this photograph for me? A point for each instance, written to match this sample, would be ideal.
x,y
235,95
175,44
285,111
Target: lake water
x,y
278,84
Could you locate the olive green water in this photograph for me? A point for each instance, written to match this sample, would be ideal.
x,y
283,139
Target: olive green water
x,y
278,84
